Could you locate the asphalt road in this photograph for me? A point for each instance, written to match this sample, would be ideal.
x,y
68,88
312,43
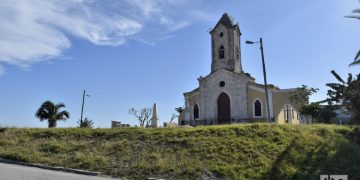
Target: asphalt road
x,y
17,172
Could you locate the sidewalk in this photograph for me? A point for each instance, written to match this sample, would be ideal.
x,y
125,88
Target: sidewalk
x,y
18,172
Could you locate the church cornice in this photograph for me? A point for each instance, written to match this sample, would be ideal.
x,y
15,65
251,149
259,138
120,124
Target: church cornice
x,y
232,73
192,92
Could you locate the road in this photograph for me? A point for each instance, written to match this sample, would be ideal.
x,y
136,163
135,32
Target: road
x,y
17,172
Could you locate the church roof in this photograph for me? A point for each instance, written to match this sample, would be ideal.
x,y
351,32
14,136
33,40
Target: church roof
x,y
192,92
270,86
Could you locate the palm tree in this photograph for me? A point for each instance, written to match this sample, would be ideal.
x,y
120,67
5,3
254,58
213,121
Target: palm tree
x,y
346,93
337,92
51,112
357,57
179,109
86,123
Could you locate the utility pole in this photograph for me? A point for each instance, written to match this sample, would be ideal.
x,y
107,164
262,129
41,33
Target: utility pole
x,y
264,73
82,107
265,81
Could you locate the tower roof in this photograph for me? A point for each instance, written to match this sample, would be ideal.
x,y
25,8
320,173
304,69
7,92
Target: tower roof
x,y
227,21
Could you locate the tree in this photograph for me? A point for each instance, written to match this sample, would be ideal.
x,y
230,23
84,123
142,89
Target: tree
x,y
336,93
352,98
142,115
86,123
326,113
303,93
302,96
346,94
179,110
357,57
310,110
51,112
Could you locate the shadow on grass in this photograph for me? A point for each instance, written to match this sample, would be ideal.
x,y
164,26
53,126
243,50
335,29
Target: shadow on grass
x,y
339,157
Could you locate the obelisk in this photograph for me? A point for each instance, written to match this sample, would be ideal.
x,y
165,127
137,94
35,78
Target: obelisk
x,y
154,119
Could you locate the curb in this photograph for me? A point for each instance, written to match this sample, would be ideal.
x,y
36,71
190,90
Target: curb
x,y
76,171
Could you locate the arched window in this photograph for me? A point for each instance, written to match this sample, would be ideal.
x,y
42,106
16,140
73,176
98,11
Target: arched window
x,y
196,111
257,108
221,52
288,113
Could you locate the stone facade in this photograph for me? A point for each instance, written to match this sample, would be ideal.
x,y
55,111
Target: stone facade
x,y
228,94
235,87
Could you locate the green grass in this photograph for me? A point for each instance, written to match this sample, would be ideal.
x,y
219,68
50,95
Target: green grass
x,y
252,151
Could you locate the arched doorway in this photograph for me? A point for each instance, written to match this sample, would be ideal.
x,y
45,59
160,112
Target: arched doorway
x,y
196,112
224,113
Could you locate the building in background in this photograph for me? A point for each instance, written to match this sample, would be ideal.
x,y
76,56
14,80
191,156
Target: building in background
x,y
230,95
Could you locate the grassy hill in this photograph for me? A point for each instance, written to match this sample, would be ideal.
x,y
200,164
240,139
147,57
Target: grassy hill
x,y
251,151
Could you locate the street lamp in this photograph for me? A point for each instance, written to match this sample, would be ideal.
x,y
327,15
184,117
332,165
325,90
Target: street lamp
x,y
82,107
264,72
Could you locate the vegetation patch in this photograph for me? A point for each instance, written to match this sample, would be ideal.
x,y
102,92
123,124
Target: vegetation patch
x,y
249,151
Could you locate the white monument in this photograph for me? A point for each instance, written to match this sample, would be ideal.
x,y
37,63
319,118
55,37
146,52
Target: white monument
x,y
154,119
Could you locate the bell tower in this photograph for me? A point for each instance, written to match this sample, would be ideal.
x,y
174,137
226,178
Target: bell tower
x,y
225,45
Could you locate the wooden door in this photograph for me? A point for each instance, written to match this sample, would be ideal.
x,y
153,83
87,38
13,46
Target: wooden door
x,y
224,113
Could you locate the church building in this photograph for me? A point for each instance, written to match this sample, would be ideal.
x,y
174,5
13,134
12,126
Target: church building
x,y
230,95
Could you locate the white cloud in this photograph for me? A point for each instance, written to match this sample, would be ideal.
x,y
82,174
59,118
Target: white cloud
x,y
33,31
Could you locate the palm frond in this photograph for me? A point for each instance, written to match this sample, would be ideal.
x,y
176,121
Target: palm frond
x,y
357,62
42,114
335,86
356,11
47,104
337,76
357,56
353,16
60,105
63,115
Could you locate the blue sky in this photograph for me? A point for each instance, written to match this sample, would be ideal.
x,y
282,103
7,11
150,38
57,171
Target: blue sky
x,y
132,53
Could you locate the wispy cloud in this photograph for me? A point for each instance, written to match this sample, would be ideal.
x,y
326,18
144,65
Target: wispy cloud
x,y
33,31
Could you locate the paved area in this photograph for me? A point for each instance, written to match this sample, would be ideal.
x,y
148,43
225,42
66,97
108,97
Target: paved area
x,y
17,172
